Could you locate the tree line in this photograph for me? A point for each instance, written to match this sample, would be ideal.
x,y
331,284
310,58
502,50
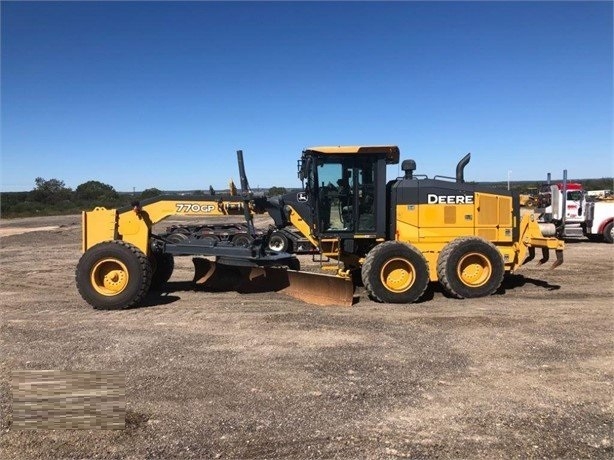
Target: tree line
x,y
52,197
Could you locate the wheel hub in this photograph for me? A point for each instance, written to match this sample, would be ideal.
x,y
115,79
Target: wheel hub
x,y
109,277
474,269
398,275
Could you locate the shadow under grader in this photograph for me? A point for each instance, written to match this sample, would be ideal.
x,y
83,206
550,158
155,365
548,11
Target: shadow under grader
x,y
242,281
161,296
509,282
516,281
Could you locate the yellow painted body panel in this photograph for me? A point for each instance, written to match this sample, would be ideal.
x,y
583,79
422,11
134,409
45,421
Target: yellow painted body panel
x,y
302,226
97,226
491,216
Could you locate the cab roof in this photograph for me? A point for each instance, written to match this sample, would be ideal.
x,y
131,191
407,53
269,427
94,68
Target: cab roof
x,y
392,151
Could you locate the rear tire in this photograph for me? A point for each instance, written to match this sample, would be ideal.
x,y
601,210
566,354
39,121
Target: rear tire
x,y
470,267
395,272
113,275
608,233
162,265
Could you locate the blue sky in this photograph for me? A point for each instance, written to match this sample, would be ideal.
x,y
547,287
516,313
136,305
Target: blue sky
x,y
163,94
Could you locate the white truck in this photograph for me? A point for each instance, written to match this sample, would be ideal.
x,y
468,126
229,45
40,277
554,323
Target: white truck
x,y
567,207
599,223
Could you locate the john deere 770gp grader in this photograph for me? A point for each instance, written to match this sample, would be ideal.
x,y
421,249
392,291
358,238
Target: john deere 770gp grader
x,y
395,236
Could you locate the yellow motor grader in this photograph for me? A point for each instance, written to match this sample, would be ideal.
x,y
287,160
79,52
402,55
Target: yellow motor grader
x,y
395,236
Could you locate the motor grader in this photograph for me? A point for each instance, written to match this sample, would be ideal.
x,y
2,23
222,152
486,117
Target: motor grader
x,y
395,236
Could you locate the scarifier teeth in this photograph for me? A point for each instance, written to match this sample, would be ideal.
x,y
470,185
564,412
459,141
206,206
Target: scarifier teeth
x,y
545,256
531,255
559,259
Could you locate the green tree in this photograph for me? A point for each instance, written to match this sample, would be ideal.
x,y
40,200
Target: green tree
x,y
96,191
50,191
274,191
150,193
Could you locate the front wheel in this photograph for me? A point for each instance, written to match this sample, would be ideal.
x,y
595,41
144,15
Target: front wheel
x,y
113,275
470,267
395,272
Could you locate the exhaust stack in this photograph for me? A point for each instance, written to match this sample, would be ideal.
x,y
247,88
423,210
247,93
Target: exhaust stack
x,y
460,168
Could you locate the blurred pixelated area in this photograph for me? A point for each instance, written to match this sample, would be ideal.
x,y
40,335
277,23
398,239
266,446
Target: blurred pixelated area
x,y
52,399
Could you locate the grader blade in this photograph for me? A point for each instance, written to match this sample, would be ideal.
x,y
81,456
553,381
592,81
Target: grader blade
x,y
215,277
313,288
319,289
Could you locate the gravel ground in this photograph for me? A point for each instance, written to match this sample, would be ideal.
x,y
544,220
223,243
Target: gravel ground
x,y
525,373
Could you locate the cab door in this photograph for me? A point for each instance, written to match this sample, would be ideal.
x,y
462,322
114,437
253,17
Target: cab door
x,y
347,195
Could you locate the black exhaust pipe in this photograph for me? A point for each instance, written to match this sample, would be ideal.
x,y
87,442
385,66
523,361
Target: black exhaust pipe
x,y
460,168
247,195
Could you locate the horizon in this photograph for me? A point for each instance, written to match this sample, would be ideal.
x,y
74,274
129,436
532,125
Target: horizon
x,y
205,189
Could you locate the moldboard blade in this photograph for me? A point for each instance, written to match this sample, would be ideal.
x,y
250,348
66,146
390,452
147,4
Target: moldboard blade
x,y
318,289
313,288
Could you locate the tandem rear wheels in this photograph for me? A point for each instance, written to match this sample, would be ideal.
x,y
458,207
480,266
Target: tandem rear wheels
x,y
468,267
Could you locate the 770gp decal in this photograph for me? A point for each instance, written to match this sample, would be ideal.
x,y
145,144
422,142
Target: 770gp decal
x,y
195,207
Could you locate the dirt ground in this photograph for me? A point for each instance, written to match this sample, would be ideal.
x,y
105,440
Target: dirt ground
x,y
525,373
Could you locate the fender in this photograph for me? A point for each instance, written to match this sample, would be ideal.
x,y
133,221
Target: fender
x,y
603,224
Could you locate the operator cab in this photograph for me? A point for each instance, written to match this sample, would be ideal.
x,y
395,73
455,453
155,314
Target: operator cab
x,y
345,186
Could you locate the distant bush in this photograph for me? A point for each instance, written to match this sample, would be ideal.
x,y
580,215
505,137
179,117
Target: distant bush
x,y
50,191
94,190
274,191
150,193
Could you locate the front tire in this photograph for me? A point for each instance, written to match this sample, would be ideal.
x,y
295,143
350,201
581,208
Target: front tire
x,y
113,275
395,272
470,267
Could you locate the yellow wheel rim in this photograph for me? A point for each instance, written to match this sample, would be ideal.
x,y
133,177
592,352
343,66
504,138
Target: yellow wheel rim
x,y
398,275
474,269
109,277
